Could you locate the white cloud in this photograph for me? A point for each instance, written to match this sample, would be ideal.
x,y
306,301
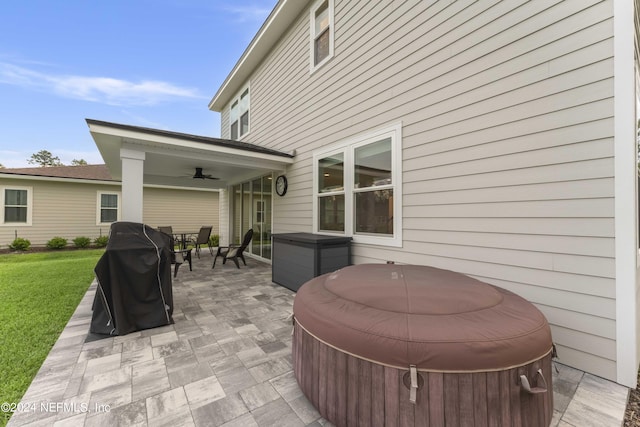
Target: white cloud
x,y
96,89
248,13
143,121
14,159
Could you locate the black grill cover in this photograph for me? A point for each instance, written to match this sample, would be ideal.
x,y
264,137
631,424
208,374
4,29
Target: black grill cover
x,y
134,281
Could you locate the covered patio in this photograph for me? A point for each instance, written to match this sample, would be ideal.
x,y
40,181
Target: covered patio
x,y
139,156
226,361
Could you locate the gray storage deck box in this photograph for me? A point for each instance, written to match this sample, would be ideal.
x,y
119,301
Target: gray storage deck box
x,y
299,257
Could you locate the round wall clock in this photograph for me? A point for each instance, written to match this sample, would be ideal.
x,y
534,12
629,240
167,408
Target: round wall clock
x,y
281,185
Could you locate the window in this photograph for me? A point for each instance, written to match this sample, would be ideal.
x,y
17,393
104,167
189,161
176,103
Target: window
x,y
259,210
331,189
321,33
239,116
16,206
373,188
358,188
108,208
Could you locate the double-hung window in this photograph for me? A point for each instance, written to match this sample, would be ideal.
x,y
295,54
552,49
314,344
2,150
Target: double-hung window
x,y
331,192
16,205
321,32
239,115
108,207
358,188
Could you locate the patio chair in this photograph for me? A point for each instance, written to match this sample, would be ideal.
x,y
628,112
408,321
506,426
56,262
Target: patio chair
x,y
167,229
178,257
203,238
233,252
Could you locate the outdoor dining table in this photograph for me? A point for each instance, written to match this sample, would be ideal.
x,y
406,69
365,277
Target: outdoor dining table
x,y
183,237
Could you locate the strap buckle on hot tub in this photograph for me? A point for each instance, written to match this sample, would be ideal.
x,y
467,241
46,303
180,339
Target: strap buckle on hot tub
x,y
413,373
533,390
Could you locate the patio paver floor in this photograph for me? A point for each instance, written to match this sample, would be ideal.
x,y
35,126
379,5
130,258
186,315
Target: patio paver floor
x,y
226,361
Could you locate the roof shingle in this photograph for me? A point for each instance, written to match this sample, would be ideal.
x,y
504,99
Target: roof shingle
x,y
89,172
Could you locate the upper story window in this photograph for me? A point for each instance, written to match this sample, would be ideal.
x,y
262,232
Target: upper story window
x,y
17,205
358,188
321,33
239,115
108,207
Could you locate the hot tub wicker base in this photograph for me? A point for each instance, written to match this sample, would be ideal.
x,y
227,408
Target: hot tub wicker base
x,y
392,345
350,391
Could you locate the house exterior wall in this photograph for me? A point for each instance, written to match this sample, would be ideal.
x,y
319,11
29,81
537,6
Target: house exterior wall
x,y
69,210
184,210
507,122
58,209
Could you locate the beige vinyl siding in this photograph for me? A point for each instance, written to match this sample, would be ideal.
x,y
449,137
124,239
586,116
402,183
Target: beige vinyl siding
x,y
508,171
225,131
69,210
59,209
184,210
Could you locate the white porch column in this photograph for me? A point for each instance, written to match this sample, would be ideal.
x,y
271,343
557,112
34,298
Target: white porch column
x,y
223,217
132,174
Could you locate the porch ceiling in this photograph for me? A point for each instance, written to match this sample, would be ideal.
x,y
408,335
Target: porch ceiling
x,y
171,157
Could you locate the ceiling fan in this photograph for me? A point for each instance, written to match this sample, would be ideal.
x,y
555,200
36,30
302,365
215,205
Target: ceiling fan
x,y
200,175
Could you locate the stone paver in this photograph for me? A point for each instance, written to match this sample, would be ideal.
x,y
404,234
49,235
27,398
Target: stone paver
x,y
226,361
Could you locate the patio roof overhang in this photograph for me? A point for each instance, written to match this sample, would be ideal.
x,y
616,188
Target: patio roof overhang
x,y
170,158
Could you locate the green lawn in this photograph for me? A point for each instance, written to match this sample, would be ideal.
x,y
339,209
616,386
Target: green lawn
x,y
38,294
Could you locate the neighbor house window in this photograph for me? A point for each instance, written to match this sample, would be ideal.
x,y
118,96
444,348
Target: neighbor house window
x,y
108,207
321,33
239,115
358,188
16,206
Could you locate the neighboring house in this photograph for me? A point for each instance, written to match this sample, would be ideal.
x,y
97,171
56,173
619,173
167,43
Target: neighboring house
x,y
493,138
73,201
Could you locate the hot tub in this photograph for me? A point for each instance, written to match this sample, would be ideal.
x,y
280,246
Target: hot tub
x,y
405,345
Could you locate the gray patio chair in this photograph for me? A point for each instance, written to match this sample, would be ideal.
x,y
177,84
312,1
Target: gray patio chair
x,y
179,256
203,238
233,252
167,229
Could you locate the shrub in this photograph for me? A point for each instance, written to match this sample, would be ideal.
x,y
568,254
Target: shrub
x,y
101,241
214,240
81,242
20,244
57,243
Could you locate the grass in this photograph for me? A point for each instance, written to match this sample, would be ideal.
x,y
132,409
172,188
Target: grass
x,y
38,294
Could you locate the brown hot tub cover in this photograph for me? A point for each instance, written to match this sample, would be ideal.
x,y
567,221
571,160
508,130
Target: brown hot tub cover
x,y
436,320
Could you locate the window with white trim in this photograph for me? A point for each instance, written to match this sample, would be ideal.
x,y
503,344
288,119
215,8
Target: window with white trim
x,y
358,188
16,205
239,115
108,207
321,18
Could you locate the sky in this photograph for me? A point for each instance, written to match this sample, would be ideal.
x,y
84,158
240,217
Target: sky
x,y
151,63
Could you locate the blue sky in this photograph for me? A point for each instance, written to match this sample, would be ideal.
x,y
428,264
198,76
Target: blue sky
x,y
153,63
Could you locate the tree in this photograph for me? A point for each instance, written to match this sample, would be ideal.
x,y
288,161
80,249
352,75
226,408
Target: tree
x,y
44,158
76,162
1,166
